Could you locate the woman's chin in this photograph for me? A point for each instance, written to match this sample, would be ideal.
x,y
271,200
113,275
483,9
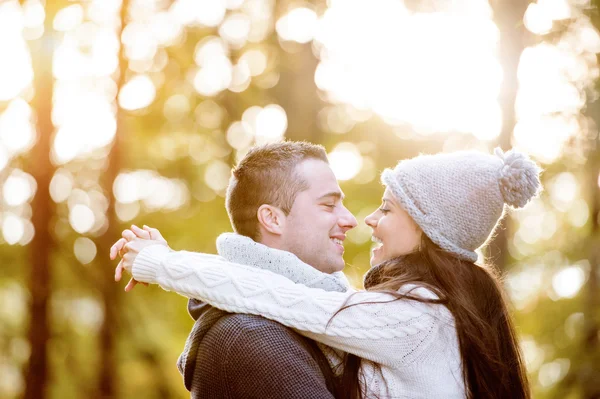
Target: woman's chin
x,y
376,257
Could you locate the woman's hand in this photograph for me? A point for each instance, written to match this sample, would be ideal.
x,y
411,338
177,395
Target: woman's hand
x,y
133,241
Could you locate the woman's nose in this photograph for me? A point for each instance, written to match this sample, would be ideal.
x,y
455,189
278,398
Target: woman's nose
x,y
371,220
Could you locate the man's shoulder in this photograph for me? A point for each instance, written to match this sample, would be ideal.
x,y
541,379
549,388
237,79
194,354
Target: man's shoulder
x,y
256,337
240,328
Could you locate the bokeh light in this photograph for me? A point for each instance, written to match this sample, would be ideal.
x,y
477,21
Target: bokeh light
x,y
16,131
390,64
270,124
13,228
568,281
16,72
155,191
81,218
137,93
18,188
84,250
345,161
298,25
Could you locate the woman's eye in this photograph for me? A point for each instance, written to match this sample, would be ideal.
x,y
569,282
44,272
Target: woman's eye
x,y
330,206
383,210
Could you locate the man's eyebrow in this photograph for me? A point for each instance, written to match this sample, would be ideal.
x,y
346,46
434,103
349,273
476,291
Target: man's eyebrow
x,y
336,194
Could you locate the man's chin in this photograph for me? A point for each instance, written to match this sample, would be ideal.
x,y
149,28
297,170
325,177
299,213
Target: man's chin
x,y
338,266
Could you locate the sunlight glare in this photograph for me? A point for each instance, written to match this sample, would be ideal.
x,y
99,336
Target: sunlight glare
x,y
536,20
139,41
68,18
235,29
166,29
298,25
271,124
239,135
138,93
85,122
61,186
33,14
18,188
4,157
345,161
209,48
16,72
191,12
16,130
157,192
390,63
568,281
81,218
13,228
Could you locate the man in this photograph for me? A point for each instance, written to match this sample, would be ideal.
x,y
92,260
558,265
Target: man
x,y
285,205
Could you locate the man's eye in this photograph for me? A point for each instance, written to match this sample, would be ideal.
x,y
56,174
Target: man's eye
x,y
383,210
330,206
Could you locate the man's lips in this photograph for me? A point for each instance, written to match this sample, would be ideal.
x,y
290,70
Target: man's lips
x,y
338,240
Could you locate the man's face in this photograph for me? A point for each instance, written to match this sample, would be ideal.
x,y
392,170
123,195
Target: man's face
x,y
316,226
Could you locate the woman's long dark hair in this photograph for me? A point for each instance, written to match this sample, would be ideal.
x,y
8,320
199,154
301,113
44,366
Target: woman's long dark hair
x,y
492,363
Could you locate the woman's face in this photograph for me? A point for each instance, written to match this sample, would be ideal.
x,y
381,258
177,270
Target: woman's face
x,y
393,229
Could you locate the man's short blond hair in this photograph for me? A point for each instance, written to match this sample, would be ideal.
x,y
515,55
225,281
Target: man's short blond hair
x,y
267,175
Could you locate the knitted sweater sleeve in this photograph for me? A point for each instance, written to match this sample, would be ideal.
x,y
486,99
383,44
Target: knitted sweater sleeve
x,y
378,328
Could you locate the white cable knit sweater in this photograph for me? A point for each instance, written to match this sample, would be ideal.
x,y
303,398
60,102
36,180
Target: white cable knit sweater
x,y
415,344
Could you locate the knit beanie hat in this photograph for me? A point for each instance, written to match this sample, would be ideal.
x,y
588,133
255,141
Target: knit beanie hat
x,y
458,198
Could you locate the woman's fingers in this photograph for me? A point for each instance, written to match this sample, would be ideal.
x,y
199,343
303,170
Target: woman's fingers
x,y
117,248
128,235
130,285
154,233
141,233
119,271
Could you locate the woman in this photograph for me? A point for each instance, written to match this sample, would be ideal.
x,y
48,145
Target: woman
x,y
431,323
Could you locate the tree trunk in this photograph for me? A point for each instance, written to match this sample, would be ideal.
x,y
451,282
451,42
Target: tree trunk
x,y
509,19
110,291
591,367
296,90
42,169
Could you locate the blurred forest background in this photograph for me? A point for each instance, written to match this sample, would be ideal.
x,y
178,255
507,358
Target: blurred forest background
x,y
115,112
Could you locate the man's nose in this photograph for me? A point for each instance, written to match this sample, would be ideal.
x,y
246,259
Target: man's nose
x,y
347,219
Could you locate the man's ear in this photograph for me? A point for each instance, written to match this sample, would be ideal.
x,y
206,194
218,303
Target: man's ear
x,y
271,218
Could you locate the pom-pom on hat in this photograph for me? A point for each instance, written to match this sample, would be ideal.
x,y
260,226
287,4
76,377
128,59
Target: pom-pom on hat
x,y
458,198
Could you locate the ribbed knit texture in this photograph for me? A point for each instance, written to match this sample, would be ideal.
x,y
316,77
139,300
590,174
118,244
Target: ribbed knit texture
x,y
241,249
458,198
414,344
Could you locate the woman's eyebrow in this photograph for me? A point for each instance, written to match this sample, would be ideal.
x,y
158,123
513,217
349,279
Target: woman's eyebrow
x,y
387,201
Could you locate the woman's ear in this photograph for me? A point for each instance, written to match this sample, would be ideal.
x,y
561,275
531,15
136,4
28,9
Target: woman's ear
x,y
271,218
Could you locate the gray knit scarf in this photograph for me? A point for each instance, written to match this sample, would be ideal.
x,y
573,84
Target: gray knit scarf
x,y
241,249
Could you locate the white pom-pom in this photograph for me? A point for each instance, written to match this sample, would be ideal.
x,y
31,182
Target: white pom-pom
x,y
519,178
